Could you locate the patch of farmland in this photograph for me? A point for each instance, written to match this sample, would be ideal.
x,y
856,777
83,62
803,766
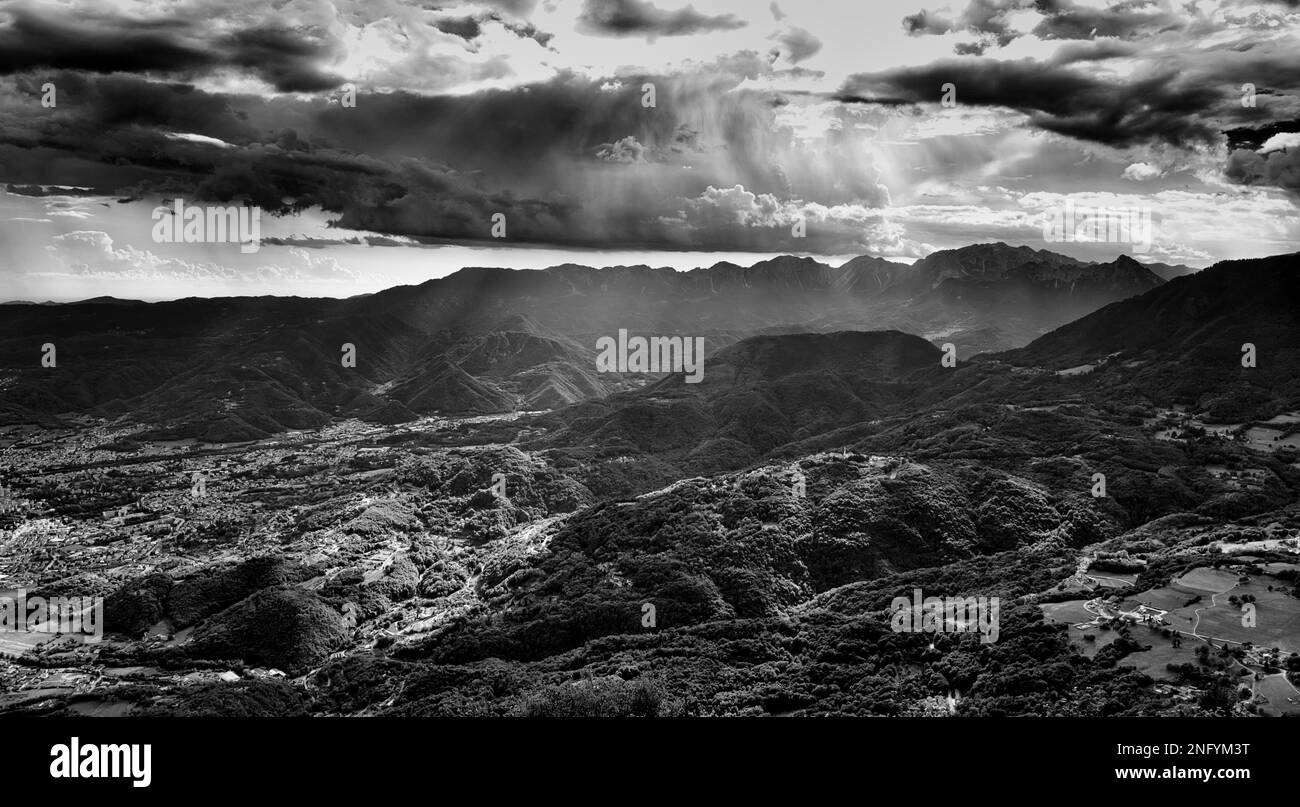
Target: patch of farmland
x,y
1277,618
1206,579
1282,696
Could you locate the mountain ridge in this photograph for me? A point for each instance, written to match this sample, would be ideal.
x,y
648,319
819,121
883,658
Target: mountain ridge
x,y
244,367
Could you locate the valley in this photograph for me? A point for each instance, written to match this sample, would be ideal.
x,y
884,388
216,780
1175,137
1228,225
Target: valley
x,y
727,547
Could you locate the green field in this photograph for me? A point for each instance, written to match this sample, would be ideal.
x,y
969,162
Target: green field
x,y
1205,579
1283,699
1277,614
1071,612
1277,618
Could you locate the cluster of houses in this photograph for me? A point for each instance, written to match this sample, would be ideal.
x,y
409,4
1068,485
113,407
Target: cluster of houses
x,y
1247,479
1109,609
131,519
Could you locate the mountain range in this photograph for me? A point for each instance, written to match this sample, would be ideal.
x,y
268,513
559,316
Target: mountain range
x,y
487,340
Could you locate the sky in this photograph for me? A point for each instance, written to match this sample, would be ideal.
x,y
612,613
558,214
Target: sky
x,y
391,142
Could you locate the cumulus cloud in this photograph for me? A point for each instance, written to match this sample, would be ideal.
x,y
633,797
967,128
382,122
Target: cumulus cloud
x,y
624,150
1142,172
741,219
1281,141
92,253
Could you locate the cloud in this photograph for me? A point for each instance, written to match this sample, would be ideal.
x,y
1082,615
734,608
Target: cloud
x,y
93,253
1095,50
625,150
1277,168
1065,19
997,22
795,44
463,27
736,218
1155,107
48,190
471,27
519,8
923,22
552,156
1179,99
198,138
737,206
641,18
1281,141
986,18
290,59
466,110
1142,172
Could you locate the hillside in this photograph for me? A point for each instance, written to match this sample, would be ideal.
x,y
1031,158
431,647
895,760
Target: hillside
x,y
1183,342
485,341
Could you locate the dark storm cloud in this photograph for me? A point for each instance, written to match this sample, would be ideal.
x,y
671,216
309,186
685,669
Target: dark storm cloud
x,y
642,18
470,27
1191,100
105,104
435,167
289,60
1163,107
463,27
1251,138
527,30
